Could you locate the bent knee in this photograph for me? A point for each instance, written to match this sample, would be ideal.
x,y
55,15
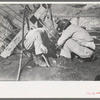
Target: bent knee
x,y
86,54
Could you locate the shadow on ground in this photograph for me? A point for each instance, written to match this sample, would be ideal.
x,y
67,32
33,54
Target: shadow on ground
x,y
77,72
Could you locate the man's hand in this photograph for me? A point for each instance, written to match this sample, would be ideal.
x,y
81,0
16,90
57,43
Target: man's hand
x,y
44,49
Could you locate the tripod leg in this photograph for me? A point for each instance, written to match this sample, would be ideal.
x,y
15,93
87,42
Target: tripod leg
x,y
20,66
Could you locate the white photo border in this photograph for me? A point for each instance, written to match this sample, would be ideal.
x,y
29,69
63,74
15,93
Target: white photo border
x,y
49,89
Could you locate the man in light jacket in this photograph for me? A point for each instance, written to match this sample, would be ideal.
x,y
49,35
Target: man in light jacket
x,y
74,39
38,41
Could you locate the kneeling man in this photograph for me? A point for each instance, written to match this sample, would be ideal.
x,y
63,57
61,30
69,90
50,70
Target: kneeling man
x,y
74,39
37,39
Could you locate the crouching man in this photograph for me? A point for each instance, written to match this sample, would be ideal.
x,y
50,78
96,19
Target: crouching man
x,y
74,39
38,41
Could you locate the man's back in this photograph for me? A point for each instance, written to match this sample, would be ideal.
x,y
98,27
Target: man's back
x,y
76,33
32,36
80,34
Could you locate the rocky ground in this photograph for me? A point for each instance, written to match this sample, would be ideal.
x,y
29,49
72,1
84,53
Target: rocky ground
x,y
75,71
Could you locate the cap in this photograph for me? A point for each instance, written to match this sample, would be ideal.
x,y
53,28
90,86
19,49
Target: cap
x,y
62,24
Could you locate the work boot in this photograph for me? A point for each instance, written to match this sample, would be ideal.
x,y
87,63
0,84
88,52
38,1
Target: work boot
x,y
39,61
91,59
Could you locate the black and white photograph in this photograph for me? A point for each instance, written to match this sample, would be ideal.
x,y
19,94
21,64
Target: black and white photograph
x,y
50,42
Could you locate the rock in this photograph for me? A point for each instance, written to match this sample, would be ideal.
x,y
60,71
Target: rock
x,y
29,67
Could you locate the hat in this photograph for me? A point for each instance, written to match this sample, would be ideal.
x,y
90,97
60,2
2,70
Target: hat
x,y
62,24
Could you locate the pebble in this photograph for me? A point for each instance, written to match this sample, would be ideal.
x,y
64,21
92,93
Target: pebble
x,y
29,67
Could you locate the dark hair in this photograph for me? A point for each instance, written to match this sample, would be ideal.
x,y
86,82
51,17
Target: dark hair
x,y
63,24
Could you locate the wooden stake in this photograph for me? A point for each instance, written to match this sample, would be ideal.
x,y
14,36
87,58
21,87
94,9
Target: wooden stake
x,y
22,49
20,66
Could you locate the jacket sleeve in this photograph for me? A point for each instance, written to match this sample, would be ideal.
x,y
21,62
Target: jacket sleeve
x,y
66,34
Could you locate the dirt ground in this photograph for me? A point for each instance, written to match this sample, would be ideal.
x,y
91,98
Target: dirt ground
x,y
76,71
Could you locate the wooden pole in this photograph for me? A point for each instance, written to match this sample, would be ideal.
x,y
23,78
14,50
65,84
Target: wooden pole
x,y
22,49
20,64
50,15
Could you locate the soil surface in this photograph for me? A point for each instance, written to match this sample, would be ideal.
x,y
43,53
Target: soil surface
x,y
74,71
